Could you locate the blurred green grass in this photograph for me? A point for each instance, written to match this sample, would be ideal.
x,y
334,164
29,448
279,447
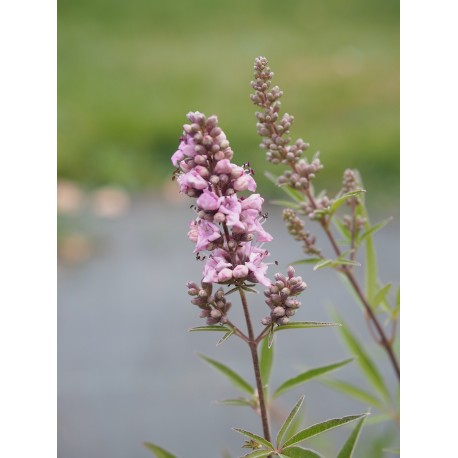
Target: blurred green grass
x,y
130,71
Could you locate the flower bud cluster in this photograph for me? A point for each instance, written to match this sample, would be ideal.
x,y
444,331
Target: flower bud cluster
x,y
214,308
302,174
274,131
281,297
351,182
295,227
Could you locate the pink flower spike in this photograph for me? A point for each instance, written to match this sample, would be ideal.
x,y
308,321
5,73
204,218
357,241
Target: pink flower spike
x,y
240,271
254,201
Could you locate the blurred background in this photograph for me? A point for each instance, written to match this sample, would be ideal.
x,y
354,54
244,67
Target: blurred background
x,y
128,74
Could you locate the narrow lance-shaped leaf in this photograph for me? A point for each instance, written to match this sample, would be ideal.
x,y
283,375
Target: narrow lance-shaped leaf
x,y
304,324
266,361
255,437
258,454
299,452
380,295
307,261
212,328
309,374
237,402
226,336
372,229
158,451
320,428
364,361
371,269
342,199
355,392
350,444
235,378
289,420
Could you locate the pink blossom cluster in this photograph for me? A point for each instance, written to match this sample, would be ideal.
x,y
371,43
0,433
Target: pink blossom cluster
x,y
227,225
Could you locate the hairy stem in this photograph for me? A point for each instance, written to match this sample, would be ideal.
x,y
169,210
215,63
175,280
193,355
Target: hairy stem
x,y
257,372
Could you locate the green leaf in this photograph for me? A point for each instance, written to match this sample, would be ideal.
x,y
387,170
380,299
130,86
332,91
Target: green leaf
x,y
349,446
237,402
235,378
372,229
226,336
380,295
344,231
266,361
371,269
285,203
158,451
364,361
355,392
307,375
307,261
322,264
320,428
299,452
270,337
340,261
255,437
258,453
304,324
216,328
394,451
342,199
289,420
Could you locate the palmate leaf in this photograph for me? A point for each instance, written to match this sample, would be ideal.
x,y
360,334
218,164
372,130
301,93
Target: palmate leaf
x,y
235,378
308,375
299,452
266,361
349,446
304,324
289,420
256,438
158,451
320,428
365,362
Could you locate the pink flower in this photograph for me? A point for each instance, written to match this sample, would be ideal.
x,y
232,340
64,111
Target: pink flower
x,y
206,233
208,201
250,217
186,148
231,207
191,180
257,268
223,166
214,265
245,182
193,233
254,201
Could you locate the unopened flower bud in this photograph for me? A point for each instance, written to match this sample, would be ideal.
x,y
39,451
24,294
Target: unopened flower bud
x,y
278,312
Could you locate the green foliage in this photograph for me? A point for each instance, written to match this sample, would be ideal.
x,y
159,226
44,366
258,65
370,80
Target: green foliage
x,y
299,452
211,328
158,451
289,420
266,362
320,428
235,378
365,362
308,375
349,446
257,439
304,324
